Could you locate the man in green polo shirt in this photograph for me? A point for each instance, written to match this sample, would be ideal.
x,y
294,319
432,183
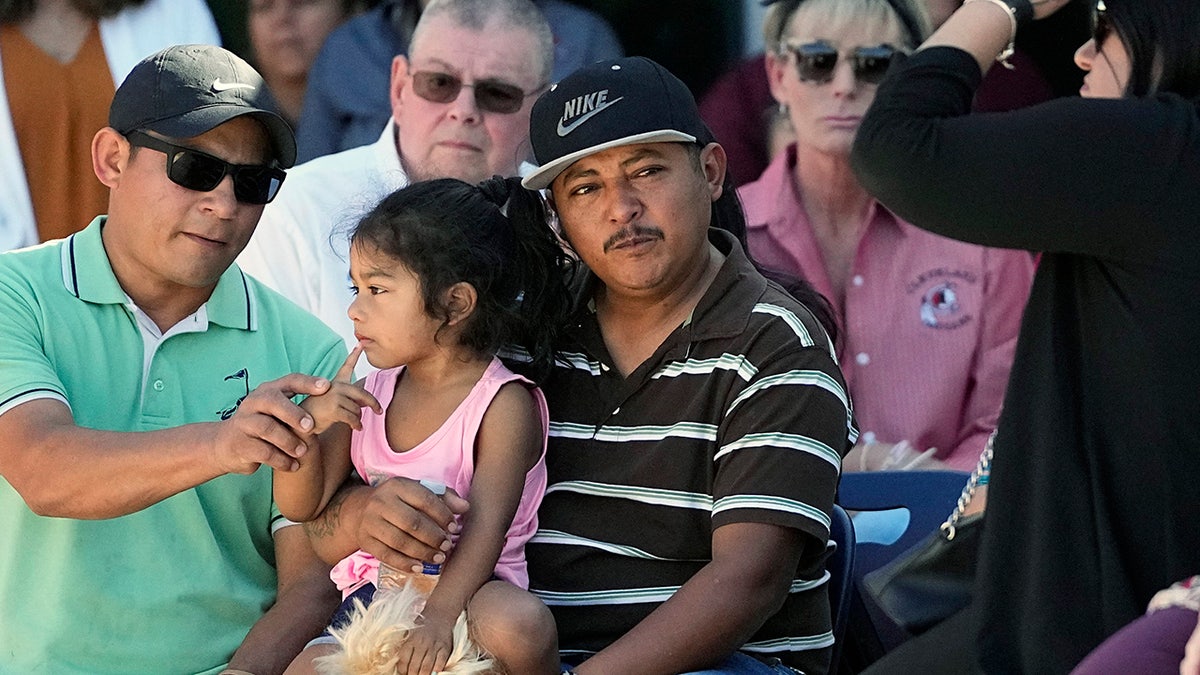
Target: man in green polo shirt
x,y
145,396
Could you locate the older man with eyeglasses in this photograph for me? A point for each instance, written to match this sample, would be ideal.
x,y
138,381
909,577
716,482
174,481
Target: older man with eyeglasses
x,y
460,109
145,396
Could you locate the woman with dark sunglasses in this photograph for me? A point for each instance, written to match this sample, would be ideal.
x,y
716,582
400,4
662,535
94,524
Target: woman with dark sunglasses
x,y
1092,505
928,324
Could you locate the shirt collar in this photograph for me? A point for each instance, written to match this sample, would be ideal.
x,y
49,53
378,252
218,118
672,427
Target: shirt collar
x,y
878,214
88,275
737,284
775,188
387,154
776,180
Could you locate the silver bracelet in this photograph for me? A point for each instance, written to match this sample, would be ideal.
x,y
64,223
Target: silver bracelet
x,y
1010,48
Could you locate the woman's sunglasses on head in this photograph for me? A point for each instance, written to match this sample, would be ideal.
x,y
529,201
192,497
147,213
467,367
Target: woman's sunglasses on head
x,y
490,95
1100,25
816,61
200,171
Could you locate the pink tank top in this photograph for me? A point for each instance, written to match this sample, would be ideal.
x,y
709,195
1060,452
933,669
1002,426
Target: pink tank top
x,y
447,456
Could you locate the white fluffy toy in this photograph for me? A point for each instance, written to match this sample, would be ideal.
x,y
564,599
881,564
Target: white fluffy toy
x,y
370,640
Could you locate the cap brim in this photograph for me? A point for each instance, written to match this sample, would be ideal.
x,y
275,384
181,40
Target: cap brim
x,y
544,175
205,119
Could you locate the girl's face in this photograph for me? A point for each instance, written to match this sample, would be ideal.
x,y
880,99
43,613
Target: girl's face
x,y
390,321
827,75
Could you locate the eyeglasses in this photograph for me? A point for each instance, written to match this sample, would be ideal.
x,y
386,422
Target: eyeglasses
x,y
490,95
1100,25
195,170
815,61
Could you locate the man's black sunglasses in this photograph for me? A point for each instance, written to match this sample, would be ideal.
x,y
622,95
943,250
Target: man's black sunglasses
x,y
200,171
815,61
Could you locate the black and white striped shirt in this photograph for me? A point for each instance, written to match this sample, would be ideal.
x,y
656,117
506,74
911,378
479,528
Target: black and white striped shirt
x,y
741,415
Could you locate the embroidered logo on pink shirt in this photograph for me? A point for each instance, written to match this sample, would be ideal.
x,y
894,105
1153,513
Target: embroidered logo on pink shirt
x,y
941,305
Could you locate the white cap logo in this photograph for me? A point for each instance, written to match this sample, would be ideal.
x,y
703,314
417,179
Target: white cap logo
x,y
219,86
582,108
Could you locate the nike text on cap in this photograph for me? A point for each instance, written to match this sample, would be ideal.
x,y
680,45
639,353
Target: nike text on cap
x,y
609,104
187,90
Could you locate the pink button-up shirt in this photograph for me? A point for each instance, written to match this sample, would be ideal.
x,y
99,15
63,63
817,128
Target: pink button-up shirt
x,y
928,324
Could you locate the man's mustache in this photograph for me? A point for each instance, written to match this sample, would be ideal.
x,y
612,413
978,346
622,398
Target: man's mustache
x,y
632,232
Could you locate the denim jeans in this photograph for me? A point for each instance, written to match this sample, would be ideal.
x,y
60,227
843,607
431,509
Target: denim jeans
x,y
741,664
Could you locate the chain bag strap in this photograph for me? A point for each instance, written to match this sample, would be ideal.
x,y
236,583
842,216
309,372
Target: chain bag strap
x,y
978,477
932,580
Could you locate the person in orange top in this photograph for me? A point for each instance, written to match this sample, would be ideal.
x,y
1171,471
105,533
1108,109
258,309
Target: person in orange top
x,y
60,62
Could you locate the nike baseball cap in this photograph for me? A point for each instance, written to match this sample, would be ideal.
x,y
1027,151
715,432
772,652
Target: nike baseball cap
x,y
606,105
187,90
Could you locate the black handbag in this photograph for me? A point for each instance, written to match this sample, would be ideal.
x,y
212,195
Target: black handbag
x,y
932,580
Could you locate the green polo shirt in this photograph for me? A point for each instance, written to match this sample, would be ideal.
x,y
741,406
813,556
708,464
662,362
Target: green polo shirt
x,y
175,587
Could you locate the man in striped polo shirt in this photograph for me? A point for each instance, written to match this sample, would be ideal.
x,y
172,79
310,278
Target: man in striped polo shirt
x,y
698,415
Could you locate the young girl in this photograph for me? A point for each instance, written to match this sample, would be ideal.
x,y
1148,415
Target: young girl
x,y
443,278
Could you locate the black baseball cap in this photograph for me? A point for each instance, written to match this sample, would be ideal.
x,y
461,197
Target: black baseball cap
x,y
187,90
609,104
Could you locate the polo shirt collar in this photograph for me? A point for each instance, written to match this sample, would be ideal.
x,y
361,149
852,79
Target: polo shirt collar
x,y
232,302
737,284
776,181
88,275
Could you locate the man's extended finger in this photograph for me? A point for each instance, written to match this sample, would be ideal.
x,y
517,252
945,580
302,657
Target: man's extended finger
x,y
272,399
297,384
346,372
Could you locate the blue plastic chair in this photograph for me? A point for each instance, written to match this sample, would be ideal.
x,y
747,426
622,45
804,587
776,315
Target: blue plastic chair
x,y
841,578
928,497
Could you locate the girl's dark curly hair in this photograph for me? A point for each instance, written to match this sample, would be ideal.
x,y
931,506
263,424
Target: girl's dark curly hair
x,y
494,236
